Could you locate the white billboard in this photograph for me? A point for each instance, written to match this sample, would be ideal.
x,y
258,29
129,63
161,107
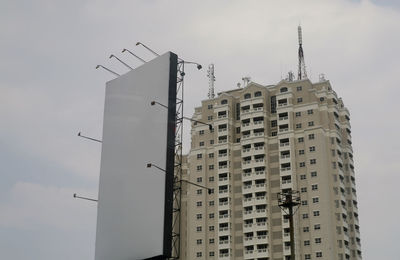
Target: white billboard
x,y
135,202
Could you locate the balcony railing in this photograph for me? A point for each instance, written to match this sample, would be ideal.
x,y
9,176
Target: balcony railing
x,y
284,144
285,169
283,118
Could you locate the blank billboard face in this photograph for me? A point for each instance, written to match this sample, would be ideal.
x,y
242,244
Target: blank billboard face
x,y
133,221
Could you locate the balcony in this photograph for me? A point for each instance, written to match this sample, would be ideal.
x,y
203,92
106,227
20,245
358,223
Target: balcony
x,y
260,173
259,187
284,144
282,130
246,175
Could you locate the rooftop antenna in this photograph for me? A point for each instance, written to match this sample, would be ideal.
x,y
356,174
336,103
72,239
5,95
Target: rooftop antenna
x,y
246,81
211,80
302,74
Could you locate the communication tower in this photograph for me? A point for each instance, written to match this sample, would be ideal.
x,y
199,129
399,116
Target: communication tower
x,y
211,80
302,74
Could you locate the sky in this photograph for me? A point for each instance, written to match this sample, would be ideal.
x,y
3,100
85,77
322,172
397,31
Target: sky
x,y
50,90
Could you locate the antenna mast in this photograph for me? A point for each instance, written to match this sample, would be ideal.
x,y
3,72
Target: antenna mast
x,y
211,80
302,74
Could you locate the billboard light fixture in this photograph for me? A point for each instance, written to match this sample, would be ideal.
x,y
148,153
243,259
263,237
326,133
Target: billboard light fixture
x,y
89,138
184,117
149,165
107,69
126,65
124,50
155,53
84,198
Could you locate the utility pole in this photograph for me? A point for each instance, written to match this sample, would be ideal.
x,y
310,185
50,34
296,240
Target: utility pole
x,y
287,200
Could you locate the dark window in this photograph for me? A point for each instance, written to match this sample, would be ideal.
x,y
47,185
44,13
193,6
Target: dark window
x,y
284,89
224,101
247,96
258,94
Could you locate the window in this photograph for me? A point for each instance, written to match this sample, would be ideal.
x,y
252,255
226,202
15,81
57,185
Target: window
x,y
312,149
311,136
199,179
313,161
306,229
334,165
211,241
201,132
199,241
304,203
238,130
314,187
305,215
303,177
313,174
310,112
210,118
247,96
307,256
315,200
318,240
284,89
301,152
199,191
211,215
302,164
298,114
300,139
211,228
199,203
306,242
311,123
274,133
224,102
199,216
201,144
198,229
211,141
303,189
211,167
210,106
211,155
211,203
273,123
258,94
199,156
211,253
211,179
199,167
199,254
299,88
316,213
210,191
318,254
317,227
299,100
298,126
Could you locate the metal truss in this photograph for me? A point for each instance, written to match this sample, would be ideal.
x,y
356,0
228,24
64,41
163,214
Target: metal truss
x,y
177,191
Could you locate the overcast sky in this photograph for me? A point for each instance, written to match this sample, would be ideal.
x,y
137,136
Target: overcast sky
x,y
50,90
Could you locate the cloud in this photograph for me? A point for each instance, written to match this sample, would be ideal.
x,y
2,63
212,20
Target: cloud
x,y
49,91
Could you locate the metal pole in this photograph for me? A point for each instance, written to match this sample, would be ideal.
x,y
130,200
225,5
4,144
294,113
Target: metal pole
x,y
292,254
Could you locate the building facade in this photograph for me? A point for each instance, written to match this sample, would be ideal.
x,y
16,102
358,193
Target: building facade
x,y
293,135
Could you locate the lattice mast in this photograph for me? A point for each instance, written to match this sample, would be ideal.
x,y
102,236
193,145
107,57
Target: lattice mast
x,y
302,74
211,80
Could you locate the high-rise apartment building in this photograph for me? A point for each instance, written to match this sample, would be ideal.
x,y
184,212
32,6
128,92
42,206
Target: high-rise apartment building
x,y
294,135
